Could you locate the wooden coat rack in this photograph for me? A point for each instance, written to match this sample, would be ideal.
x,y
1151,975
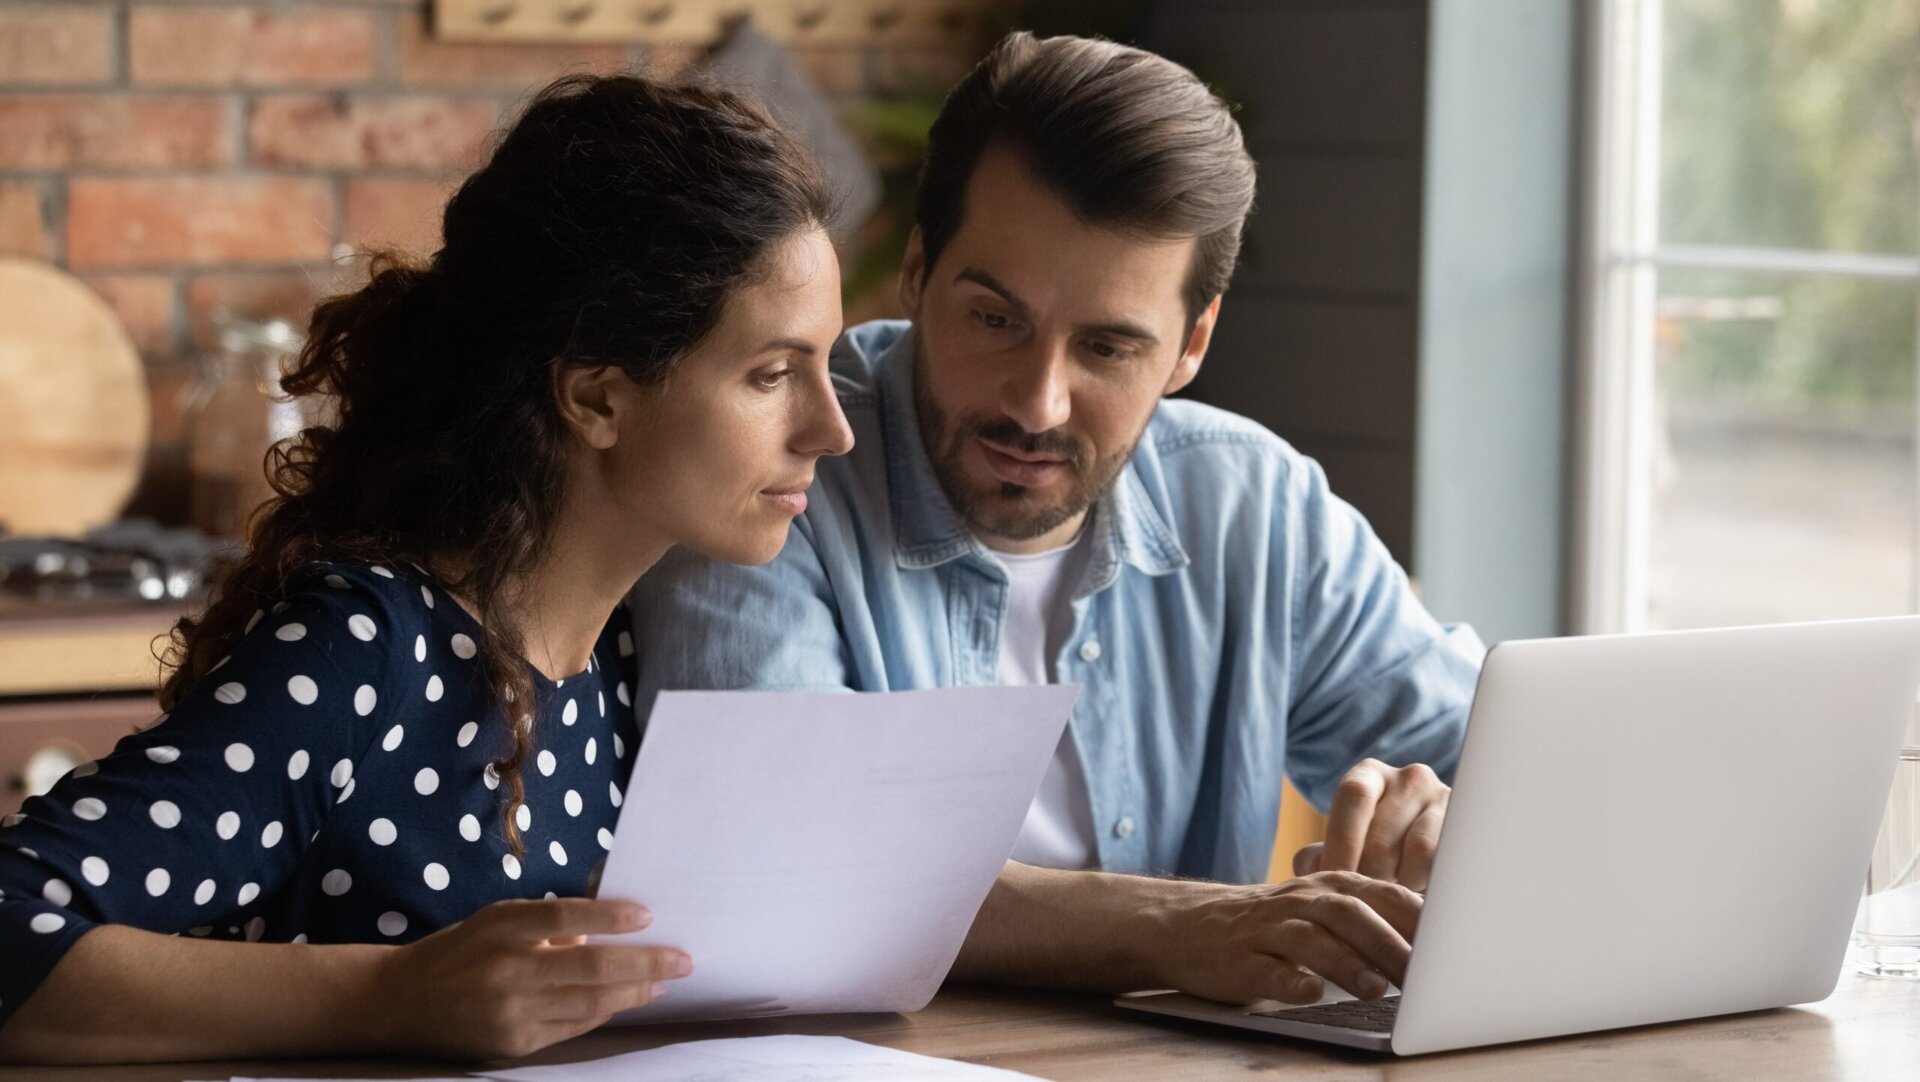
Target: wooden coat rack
x,y
706,22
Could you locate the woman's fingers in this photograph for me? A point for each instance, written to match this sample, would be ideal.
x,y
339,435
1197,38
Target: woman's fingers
x,y
559,919
610,963
592,1004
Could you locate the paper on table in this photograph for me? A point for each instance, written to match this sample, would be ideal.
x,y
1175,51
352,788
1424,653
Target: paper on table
x,y
764,1059
824,851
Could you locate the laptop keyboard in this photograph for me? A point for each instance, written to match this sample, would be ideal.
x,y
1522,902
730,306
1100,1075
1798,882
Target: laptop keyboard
x,y
1369,1016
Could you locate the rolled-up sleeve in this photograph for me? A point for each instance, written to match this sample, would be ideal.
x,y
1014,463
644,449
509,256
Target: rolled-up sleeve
x,y
1375,675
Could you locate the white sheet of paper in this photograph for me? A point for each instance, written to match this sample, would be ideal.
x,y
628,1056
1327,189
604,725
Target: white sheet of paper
x,y
824,851
764,1059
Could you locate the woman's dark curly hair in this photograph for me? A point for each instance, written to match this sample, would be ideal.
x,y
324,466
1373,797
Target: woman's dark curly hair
x,y
608,228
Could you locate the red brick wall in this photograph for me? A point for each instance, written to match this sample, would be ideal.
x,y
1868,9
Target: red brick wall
x,y
179,155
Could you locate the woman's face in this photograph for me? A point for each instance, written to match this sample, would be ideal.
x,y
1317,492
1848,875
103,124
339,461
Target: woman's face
x,y
719,456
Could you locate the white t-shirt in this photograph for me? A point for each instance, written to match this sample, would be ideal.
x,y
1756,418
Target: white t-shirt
x,y
1058,832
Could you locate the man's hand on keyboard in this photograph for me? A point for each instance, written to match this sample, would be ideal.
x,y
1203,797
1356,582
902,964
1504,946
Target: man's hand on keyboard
x,y
1279,941
1384,823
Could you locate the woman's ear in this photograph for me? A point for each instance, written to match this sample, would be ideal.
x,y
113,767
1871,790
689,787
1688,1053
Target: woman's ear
x,y
590,401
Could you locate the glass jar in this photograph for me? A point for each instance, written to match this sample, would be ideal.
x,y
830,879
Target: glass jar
x,y
239,411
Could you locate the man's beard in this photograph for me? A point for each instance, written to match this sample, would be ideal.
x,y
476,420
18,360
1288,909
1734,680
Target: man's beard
x,y
1017,514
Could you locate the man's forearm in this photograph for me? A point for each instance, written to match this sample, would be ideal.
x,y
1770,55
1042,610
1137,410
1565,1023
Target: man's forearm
x,y
1092,931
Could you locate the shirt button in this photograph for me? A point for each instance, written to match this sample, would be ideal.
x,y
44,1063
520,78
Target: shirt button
x,y
1123,828
1090,651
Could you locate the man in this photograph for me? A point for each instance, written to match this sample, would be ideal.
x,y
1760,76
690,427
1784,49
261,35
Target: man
x,y
1022,506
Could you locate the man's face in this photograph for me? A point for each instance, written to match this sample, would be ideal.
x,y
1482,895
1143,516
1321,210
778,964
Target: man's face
x,y
1043,345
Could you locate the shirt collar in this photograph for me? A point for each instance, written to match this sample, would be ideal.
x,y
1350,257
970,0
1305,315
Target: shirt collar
x,y
1130,528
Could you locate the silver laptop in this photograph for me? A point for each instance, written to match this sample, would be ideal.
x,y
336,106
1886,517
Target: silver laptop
x,y
1643,828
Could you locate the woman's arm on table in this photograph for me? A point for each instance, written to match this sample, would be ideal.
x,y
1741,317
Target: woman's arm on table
x,y
513,978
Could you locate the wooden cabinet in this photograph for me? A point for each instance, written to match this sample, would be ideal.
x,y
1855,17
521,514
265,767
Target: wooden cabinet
x,y
71,685
40,740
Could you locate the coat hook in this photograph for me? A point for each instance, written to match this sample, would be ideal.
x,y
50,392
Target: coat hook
x,y
808,18
498,14
577,14
655,14
884,19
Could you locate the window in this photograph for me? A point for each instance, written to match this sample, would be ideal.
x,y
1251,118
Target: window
x,y
1748,383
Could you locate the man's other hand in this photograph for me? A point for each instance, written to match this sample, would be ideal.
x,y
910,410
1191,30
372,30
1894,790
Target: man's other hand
x,y
1384,824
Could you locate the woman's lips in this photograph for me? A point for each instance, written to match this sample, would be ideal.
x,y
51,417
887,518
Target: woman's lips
x,y
1017,468
792,499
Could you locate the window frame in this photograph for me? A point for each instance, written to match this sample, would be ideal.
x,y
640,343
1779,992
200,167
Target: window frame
x,y
1621,260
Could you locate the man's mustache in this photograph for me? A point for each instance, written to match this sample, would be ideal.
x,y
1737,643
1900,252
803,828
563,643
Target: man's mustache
x,y
1052,442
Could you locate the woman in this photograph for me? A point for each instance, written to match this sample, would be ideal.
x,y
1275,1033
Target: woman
x,y
398,736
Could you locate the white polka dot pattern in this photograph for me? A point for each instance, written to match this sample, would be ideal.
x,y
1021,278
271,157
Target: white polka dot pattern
x,y
239,758
164,813
237,820
303,690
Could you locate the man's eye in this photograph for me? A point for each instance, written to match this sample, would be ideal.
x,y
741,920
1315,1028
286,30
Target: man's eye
x,y
991,320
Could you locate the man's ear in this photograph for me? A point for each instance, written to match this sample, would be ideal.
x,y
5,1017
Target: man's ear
x,y
913,270
1188,366
590,399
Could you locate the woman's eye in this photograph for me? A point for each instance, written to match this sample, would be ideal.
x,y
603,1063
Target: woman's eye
x,y
770,380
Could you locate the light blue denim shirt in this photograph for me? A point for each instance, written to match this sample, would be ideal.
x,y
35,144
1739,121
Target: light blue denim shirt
x,y
1236,621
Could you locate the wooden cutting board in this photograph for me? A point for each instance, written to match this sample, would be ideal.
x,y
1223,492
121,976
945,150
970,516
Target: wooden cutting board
x,y
74,415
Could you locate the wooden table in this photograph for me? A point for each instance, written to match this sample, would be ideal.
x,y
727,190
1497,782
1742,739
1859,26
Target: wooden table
x,y
1869,1029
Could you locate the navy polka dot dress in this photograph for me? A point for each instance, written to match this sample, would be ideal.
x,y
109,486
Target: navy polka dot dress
x,y
328,782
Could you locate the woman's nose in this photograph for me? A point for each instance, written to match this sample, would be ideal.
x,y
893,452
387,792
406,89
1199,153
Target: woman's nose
x,y
826,431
